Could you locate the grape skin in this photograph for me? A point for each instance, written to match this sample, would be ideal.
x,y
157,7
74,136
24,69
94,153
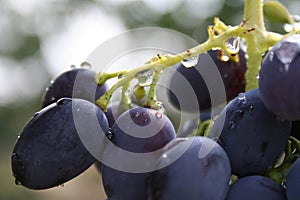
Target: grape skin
x,y
190,176
232,74
131,186
256,187
292,181
49,151
279,81
63,86
252,136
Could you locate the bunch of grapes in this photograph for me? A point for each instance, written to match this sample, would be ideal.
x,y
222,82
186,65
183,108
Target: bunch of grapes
x,y
247,151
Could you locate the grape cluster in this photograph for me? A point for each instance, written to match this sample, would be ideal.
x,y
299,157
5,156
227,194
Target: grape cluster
x,y
251,139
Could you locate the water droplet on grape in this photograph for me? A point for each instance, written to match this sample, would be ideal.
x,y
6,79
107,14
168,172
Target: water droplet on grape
x,y
17,182
251,108
158,115
47,89
205,162
137,114
85,65
286,67
271,56
62,185
239,114
109,134
287,52
78,109
51,82
165,155
193,61
242,98
145,77
14,156
52,98
35,114
231,124
19,137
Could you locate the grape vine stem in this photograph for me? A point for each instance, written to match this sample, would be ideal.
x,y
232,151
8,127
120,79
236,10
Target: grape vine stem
x,y
252,30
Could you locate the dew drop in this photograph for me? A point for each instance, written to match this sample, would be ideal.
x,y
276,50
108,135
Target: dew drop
x,y
145,77
165,155
137,114
19,137
109,134
242,98
233,45
271,56
231,124
205,162
193,61
51,82
251,108
17,182
286,67
86,65
52,98
257,77
158,115
78,109
36,114
47,89
288,28
14,156
239,114
287,52
62,185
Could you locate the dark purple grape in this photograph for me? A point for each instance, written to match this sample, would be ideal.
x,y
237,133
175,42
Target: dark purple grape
x,y
50,149
186,84
279,81
293,181
192,168
76,83
138,130
113,112
256,187
252,136
295,131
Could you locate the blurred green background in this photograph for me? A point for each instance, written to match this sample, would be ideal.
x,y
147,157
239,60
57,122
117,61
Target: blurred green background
x,y
40,39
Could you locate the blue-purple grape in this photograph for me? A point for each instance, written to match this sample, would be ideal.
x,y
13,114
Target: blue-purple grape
x,y
256,187
293,181
75,83
252,136
138,130
279,82
50,151
193,168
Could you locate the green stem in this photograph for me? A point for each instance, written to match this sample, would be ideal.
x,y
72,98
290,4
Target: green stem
x,y
169,60
125,98
253,14
151,101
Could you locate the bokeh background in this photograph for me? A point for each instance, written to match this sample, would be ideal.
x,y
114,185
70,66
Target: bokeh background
x,y
40,39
